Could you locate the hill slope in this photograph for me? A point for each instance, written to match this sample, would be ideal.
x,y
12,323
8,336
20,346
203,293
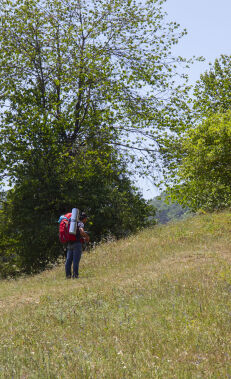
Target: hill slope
x,y
157,305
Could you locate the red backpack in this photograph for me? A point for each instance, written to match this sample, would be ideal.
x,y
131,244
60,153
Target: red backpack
x,y
64,225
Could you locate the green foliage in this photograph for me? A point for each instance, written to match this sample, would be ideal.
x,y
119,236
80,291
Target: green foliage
x,y
32,209
9,261
61,63
204,175
85,85
213,91
198,158
166,210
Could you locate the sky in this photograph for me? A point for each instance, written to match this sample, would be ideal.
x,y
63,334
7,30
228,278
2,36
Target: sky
x,y
208,24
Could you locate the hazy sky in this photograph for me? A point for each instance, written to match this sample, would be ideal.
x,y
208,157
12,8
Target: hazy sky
x,y
208,23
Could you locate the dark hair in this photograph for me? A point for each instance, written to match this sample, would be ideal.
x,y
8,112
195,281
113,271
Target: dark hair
x,y
83,216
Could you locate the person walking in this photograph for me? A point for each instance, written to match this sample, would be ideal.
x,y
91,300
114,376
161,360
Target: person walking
x,y
74,248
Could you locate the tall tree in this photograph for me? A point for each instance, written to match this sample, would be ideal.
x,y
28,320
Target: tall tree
x,y
62,60
87,88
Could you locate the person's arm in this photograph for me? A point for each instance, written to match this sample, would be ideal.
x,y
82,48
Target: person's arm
x,y
84,235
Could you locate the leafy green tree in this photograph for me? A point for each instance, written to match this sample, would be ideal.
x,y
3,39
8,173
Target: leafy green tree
x,y
85,86
197,158
49,186
60,61
212,93
204,176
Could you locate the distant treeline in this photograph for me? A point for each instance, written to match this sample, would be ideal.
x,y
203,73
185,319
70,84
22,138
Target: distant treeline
x,y
166,210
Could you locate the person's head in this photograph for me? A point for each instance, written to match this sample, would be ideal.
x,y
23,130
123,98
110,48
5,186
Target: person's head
x,y
83,217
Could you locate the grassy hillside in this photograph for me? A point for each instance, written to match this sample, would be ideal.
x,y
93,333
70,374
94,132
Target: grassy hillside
x,y
157,305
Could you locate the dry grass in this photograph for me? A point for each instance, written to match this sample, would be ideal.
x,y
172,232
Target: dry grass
x,y
157,305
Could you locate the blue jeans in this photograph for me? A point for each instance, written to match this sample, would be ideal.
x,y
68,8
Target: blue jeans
x,y
74,252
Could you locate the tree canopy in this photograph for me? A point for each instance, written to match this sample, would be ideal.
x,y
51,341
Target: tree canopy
x,y
198,158
204,175
212,93
65,63
88,94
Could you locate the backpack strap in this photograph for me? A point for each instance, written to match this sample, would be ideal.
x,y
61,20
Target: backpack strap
x,y
61,218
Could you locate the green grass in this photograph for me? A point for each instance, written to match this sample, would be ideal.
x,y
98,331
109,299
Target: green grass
x,y
156,305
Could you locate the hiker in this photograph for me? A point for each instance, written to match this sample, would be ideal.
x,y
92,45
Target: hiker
x,y
74,248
